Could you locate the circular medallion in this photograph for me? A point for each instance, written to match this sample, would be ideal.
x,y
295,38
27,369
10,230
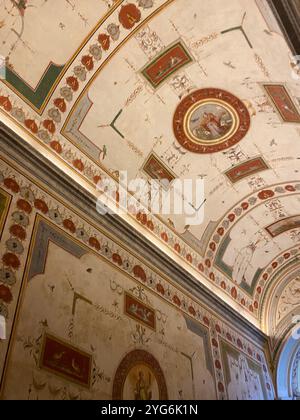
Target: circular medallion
x,y
210,120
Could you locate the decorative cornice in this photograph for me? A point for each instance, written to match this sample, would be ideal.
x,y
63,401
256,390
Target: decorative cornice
x,y
56,180
287,13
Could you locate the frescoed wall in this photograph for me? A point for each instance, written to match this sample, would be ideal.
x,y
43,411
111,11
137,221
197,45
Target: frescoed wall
x,y
244,378
86,319
167,90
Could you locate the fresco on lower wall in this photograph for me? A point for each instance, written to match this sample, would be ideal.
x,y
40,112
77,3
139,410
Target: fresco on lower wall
x,y
72,280
72,306
139,377
139,311
62,359
244,378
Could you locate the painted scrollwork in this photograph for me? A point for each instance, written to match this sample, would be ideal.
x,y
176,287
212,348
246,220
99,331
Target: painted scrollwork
x,y
289,299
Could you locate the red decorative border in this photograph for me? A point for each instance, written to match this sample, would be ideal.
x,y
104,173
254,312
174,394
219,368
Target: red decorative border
x,y
203,94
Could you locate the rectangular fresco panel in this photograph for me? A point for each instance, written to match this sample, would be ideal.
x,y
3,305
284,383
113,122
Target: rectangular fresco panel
x,y
167,63
283,102
65,360
246,169
158,171
283,226
244,377
140,312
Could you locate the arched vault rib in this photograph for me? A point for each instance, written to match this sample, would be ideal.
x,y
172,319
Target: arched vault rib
x,y
281,302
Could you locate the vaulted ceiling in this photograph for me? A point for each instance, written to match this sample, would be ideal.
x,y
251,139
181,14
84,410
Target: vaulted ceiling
x,y
173,89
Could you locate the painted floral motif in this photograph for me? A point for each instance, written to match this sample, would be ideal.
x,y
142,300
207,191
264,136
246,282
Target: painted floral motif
x,y
7,276
129,16
5,294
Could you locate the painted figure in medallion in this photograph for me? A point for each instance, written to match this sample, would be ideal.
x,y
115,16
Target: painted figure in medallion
x,y
143,388
210,122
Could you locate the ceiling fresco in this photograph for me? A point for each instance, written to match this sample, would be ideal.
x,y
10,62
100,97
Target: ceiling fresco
x,y
29,36
171,89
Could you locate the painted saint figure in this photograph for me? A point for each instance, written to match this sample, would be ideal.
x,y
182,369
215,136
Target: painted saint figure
x,y
142,390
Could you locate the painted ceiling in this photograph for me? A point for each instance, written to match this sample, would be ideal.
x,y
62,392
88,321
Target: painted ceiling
x,y
172,89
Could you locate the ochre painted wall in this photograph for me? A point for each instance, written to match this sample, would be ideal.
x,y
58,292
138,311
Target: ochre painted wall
x,y
87,319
